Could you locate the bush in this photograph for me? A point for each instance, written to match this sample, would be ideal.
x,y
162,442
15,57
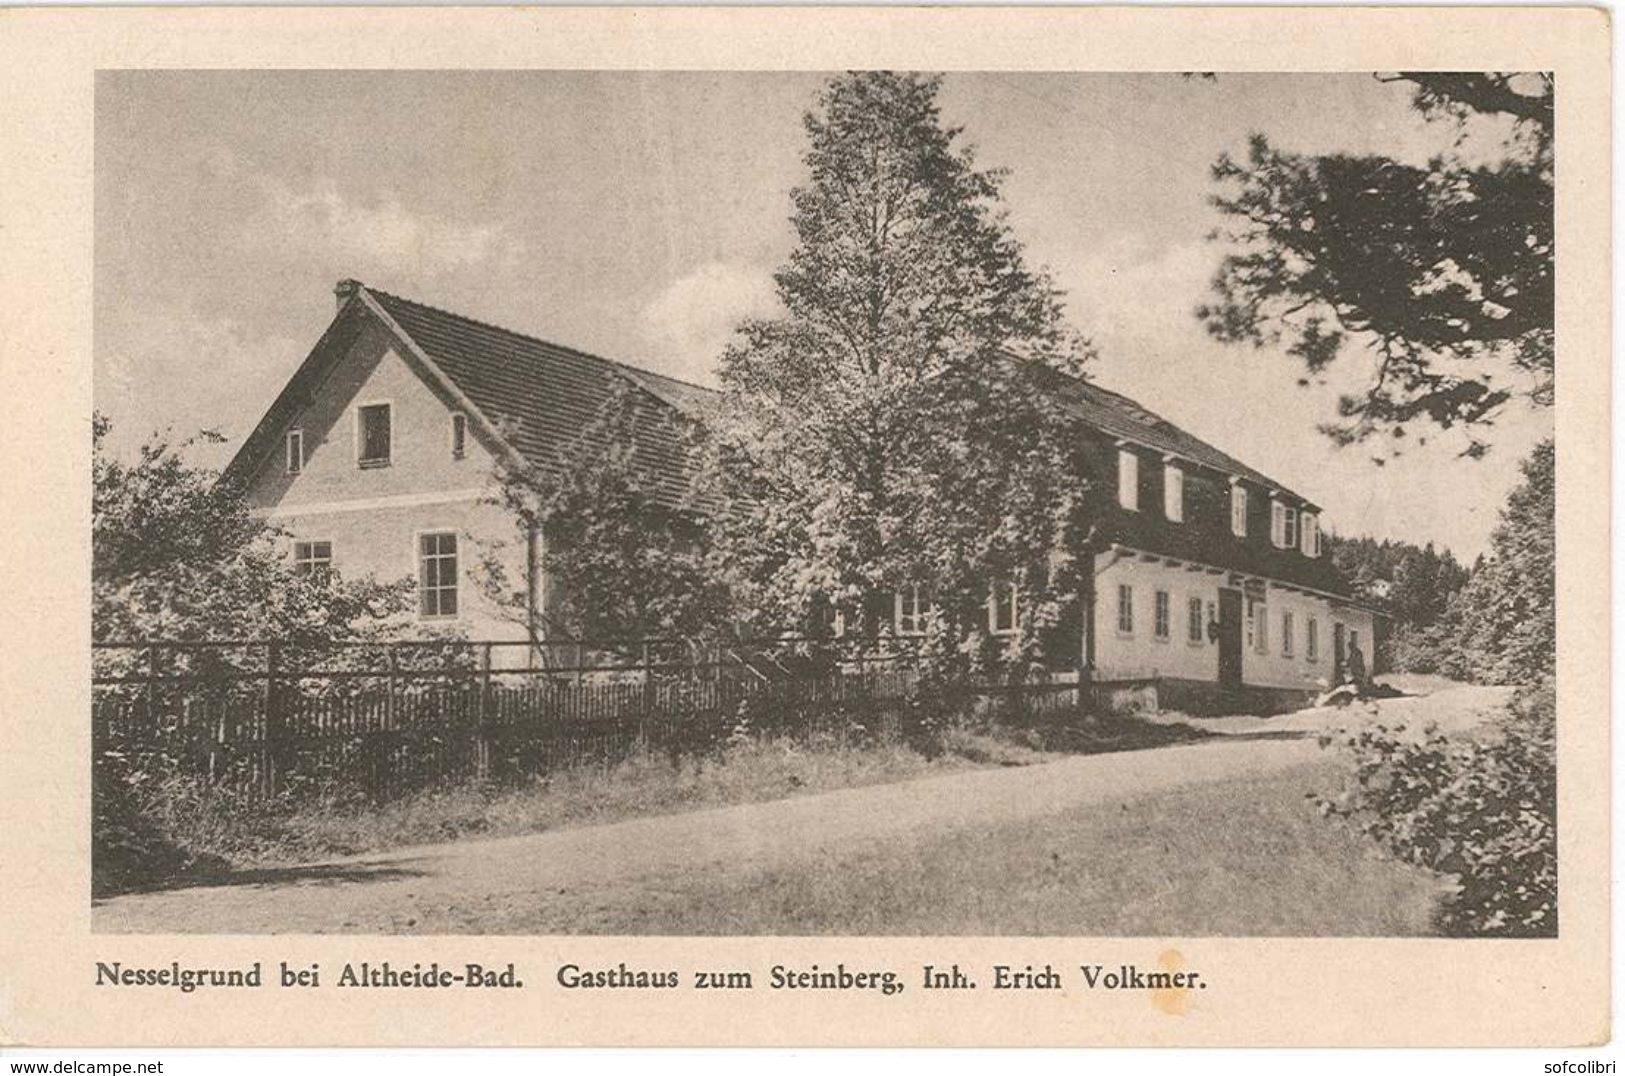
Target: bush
x,y
1482,811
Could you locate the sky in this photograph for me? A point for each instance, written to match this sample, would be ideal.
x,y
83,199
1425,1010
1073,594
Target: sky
x,y
640,216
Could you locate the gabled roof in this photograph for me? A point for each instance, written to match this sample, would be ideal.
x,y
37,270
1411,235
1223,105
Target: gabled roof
x,y
540,395
533,397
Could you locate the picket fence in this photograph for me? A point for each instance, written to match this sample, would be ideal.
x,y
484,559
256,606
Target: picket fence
x,y
257,721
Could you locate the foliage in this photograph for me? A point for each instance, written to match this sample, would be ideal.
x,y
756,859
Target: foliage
x,y
1414,585
1484,812
1444,269
177,554
896,425
625,561
1504,622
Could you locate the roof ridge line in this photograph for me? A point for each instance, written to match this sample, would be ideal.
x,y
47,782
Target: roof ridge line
x,y
536,339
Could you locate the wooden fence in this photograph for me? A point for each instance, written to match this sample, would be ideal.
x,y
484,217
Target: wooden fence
x,y
389,719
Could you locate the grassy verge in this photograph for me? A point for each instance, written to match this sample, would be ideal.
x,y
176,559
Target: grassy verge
x,y
214,830
1247,857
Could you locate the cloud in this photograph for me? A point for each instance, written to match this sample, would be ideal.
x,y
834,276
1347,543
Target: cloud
x,y
185,372
690,321
373,235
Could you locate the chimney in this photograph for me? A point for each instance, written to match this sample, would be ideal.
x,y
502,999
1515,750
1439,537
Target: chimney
x,y
344,289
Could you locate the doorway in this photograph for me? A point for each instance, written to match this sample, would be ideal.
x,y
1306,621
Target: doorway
x,y
1229,639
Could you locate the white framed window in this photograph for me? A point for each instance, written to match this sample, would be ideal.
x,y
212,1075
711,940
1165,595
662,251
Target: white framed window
x,y
1128,479
1002,609
295,451
1193,621
1310,536
1258,624
1125,609
908,612
1289,528
1286,635
1173,492
437,574
1311,640
312,558
1161,616
1238,509
373,435
459,435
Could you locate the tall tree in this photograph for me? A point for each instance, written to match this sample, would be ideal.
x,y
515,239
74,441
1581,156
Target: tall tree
x,y
1504,622
894,423
1442,271
626,562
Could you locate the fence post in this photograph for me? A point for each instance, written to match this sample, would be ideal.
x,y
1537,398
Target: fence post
x,y
482,742
275,733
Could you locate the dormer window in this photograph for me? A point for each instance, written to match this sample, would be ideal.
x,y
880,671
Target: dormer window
x,y
1238,509
296,451
372,433
459,435
1283,525
1173,492
1128,479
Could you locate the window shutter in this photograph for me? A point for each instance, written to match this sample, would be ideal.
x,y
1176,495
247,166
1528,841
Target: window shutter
x,y
1309,539
1238,510
1277,523
1128,479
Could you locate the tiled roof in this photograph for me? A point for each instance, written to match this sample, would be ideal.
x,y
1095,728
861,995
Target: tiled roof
x,y
541,395
1116,414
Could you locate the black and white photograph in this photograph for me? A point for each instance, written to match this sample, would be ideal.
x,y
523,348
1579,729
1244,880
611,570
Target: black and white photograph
x,y
848,503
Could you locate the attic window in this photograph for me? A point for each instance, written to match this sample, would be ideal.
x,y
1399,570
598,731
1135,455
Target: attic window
x,y
459,435
372,435
1310,535
296,451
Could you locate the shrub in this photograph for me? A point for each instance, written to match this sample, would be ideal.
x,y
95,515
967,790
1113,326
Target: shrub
x,y
1483,811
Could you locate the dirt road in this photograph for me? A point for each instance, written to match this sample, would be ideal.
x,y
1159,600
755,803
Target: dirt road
x,y
466,886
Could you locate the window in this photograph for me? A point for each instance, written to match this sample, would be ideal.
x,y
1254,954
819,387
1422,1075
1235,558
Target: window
x,y
437,574
296,451
1311,535
1002,610
1311,642
908,612
1173,492
1238,509
1125,609
1128,479
1258,623
372,434
312,558
1193,626
1289,528
1160,616
1286,635
459,435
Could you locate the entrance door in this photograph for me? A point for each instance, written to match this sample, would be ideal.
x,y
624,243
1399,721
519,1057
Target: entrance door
x,y
1229,638
1339,655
